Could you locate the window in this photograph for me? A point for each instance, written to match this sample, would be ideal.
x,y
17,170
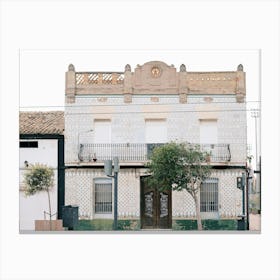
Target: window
x,y
208,132
102,139
103,196
156,131
102,131
28,144
209,195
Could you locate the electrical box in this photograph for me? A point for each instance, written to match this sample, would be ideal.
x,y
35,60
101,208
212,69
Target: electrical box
x,y
108,167
239,183
116,164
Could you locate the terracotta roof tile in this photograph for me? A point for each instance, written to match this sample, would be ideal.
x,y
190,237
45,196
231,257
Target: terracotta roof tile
x,y
51,122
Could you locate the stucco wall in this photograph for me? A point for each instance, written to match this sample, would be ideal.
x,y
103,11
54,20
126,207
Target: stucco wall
x,y
32,207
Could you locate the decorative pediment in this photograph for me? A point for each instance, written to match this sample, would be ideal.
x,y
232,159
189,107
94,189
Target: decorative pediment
x,y
155,76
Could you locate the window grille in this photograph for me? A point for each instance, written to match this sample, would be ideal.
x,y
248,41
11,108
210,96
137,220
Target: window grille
x,y
209,195
103,198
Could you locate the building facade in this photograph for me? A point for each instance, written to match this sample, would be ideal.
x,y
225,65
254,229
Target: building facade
x,y
41,141
127,114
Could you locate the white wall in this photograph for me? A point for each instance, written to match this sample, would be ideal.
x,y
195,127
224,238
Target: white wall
x,y
32,208
182,121
46,153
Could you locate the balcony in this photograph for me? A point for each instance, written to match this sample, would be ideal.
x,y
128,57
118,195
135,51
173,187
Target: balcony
x,y
135,152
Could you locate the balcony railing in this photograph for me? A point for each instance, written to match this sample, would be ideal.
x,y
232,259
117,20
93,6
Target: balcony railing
x,y
218,152
135,152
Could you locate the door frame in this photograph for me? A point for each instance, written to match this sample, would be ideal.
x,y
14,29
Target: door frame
x,y
157,224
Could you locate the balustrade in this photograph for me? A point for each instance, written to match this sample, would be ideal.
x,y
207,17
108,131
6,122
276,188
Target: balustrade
x,y
141,152
88,78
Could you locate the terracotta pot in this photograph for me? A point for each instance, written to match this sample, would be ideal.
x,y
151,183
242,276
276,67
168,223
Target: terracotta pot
x,y
44,225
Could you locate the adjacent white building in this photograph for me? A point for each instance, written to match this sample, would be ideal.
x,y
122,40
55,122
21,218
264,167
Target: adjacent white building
x,y
126,114
41,141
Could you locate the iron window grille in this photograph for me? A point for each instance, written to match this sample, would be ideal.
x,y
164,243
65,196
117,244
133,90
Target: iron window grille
x,y
209,195
103,198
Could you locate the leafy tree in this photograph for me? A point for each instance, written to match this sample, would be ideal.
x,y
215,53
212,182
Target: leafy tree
x,y
37,178
179,167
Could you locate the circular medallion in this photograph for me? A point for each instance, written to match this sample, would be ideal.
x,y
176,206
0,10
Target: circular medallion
x,y
156,72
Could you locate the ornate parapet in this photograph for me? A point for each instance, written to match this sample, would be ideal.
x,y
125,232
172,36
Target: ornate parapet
x,y
70,84
183,89
211,82
155,77
128,84
240,84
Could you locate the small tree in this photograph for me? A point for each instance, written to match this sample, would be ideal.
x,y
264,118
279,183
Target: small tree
x,y
39,178
179,167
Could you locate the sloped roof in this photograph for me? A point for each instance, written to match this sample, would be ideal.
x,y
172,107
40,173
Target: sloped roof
x,y
50,122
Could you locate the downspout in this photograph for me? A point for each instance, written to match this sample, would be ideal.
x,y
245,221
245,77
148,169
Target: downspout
x,y
60,177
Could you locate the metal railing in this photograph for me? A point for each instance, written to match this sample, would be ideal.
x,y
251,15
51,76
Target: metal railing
x,y
217,152
141,152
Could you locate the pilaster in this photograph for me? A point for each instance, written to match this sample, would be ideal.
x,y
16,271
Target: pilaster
x,y
70,84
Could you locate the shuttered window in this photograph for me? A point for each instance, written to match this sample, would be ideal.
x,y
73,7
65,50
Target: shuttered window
x,y
208,132
102,131
156,131
209,195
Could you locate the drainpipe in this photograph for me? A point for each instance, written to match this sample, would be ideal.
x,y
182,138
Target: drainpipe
x,y
247,196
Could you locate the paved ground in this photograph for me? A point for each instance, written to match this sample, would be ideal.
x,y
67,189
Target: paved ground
x,y
255,221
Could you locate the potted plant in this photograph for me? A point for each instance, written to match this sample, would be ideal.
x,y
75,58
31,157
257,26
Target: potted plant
x,y
208,157
38,178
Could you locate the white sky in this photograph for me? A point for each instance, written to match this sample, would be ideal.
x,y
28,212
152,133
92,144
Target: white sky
x,y
45,70
136,25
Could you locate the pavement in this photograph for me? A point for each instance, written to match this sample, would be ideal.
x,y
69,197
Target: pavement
x,y
255,222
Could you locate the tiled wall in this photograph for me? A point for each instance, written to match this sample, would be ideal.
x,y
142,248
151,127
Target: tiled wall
x,y
128,126
80,191
128,120
229,199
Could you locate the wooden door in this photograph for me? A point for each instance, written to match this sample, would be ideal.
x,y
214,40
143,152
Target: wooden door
x,y
155,207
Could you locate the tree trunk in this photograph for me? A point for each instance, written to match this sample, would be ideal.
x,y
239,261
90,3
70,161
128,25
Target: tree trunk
x,y
50,208
197,208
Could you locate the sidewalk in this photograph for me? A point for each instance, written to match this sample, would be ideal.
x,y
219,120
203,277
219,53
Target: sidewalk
x,y
255,222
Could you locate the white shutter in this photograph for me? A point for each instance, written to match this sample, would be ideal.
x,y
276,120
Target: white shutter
x,y
156,131
208,132
102,131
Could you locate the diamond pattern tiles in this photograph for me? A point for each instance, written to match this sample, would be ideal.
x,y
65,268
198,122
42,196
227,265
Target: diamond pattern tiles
x,y
129,194
182,205
230,197
79,191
